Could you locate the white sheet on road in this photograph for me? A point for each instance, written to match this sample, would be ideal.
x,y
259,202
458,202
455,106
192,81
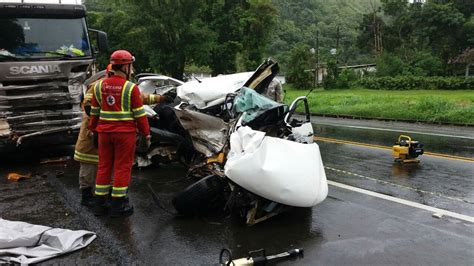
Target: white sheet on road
x,y
276,169
26,243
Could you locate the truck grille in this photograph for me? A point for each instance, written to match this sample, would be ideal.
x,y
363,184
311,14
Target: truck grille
x,y
40,107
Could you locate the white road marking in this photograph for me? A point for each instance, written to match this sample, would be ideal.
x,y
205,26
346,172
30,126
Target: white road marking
x,y
404,202
397,185
399,130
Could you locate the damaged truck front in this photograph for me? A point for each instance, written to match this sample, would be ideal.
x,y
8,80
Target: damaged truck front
x,y
45,56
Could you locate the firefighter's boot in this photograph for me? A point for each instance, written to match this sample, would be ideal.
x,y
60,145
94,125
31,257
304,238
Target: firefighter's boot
x,y
120,207
100,207
87,197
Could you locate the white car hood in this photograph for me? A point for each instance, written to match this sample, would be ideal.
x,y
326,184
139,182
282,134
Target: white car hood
x,y
202,94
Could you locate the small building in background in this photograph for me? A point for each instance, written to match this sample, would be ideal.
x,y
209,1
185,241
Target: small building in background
x,y
361,69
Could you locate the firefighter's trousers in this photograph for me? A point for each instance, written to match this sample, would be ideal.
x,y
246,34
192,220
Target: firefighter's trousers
x,y
116,153
87,175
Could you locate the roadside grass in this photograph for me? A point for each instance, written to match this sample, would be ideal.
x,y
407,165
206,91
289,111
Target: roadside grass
x,y
418,105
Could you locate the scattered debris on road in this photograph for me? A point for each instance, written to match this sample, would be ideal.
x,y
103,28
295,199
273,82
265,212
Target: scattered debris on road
x,y
17,177
56,160
257,257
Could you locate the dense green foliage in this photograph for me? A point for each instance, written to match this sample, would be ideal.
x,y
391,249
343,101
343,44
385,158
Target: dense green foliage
x,y
166,36
299,61
227,36
418,83
418,39
300,20
416,105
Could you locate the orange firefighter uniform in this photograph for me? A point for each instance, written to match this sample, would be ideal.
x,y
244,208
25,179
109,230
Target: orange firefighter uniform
x,y
86,153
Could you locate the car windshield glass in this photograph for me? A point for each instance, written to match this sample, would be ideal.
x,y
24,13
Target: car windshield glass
x,y
43,37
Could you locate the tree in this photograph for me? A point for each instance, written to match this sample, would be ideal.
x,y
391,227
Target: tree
x,y
224,20
440,28
174,34
425,35
257,23
390,65
298,70
370,35
299,20
123,33
466,57
166,35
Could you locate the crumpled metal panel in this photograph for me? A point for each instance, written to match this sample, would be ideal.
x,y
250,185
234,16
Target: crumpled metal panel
x,y
4,128
43,103
209,133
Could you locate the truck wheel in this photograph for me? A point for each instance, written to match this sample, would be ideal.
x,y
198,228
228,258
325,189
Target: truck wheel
x,y
201,197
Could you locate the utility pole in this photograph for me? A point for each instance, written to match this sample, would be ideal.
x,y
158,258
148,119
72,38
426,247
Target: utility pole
x,y
338,36
317,60
376,26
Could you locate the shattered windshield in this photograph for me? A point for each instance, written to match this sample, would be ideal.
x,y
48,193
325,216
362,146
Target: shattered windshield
x,y
26,38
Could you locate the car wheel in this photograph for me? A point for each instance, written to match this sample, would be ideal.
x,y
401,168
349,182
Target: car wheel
x,y
204,196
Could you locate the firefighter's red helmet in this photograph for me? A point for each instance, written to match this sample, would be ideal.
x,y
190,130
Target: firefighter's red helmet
x,y
121,57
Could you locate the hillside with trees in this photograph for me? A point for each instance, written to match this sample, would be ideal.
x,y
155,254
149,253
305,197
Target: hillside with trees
x,y
331,24
225,36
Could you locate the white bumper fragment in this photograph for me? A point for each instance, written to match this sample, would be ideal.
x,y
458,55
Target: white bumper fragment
x,y
276,169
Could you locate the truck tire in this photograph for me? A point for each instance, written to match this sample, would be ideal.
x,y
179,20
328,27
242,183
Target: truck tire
x,y
204,196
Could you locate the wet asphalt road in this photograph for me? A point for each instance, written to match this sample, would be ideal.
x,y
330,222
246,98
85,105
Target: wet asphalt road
x,y
347,228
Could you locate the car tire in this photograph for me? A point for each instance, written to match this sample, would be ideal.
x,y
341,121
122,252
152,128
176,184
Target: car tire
x,y
204,196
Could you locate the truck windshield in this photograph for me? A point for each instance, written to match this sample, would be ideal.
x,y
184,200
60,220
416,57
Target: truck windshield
x,y
27,38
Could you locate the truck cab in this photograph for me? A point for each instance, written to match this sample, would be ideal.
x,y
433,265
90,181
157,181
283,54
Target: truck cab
x,y
45,57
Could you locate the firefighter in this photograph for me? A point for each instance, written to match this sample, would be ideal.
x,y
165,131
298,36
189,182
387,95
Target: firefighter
x,y
86,152
116,114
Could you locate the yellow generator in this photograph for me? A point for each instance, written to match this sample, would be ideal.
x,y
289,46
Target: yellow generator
x,y
407,150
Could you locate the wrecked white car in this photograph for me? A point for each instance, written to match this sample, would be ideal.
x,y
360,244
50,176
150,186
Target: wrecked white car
x,y
246,151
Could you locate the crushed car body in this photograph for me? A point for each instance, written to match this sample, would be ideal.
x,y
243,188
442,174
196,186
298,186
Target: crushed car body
x,y
245,150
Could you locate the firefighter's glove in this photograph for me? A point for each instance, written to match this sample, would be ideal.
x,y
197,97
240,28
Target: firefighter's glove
x,y
167,99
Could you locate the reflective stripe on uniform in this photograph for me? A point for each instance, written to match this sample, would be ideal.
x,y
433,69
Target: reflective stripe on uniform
x,y
111,116
139,112
119,191
79,156
125,113
127,96
95,110
102,190
98,92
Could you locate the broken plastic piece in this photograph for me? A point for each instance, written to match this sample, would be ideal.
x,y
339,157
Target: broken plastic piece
x,y
17,177
216,159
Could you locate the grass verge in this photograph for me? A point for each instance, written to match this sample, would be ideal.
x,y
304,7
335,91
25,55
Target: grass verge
x,y
419,105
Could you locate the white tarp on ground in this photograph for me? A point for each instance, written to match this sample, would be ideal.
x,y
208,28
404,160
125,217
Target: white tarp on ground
x,y
204,93
26,243
276,169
